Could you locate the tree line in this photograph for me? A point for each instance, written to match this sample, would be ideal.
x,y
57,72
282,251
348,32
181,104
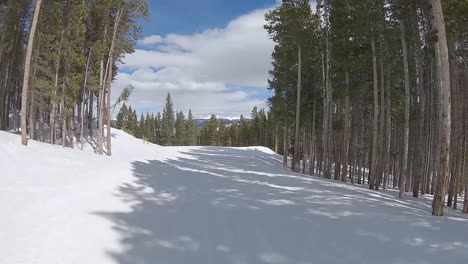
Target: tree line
x,y
172,128
169,129
374,92
58,59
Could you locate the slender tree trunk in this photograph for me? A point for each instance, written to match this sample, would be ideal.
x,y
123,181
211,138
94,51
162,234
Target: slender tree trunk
x,y
388,134
4,117
326,159
32,115
41,121
53,114
312,144
459,172
100,147
276,138
304,150
100,105
445,102
296,158
27,68
436,123
465,202
346,131
285,143
355,143
381,144
404,173
465,122
85,83
71,134
109,81
465,175
63,116
455,124
90,114
109,114
375,121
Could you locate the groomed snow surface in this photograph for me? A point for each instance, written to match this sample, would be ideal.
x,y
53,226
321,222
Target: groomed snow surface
x,y
200,205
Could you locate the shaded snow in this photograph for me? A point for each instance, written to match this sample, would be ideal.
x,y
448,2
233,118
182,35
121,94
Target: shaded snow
x,y
201,205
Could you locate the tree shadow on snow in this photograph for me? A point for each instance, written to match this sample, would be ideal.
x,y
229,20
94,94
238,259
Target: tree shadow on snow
x,y
239,206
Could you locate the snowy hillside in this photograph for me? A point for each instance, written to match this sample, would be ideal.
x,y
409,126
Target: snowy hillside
x,y
200,205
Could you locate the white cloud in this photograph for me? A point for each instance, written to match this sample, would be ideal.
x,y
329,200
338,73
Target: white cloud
x,y
151,40
200,70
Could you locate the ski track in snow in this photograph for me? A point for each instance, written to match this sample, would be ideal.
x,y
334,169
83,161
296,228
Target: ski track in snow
x,y
202,205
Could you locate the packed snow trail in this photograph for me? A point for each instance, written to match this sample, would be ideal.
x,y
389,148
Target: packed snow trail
x,y
200,205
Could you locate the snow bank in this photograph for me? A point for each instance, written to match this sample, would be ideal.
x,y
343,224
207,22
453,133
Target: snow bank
x,y
259,148
49,196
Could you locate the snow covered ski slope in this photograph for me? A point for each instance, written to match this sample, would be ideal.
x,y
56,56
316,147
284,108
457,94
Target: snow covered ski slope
x,y
197,205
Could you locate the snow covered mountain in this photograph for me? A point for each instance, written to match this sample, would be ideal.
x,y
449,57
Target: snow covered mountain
x,y
202,205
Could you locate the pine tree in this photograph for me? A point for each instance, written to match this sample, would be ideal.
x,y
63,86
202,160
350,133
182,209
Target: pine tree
x,y
167,126
221,134
158,128
212,131
147,129
141,127
192,131
71,61
132,125
291,24
180,129
151,127
122,117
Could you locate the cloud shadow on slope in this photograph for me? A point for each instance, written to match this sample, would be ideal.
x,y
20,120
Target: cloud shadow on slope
x,y
240,206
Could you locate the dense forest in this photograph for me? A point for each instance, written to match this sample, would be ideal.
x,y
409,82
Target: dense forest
x,y
374,92
58,59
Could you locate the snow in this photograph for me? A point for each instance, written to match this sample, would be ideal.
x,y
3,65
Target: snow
x,y
201,205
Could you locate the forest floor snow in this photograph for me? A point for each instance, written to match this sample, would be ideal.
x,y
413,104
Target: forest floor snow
x,y
203,205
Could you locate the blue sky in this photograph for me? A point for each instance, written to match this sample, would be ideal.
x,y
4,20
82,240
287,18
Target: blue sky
x,y
189,16
213,56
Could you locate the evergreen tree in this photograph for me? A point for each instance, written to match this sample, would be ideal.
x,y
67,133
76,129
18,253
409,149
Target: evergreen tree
x,y
151,126
212,131
180,129
291,25
122,117
234,135
141,128
132,122
192,131
167,126
221,134
147,130
68,53
158,128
